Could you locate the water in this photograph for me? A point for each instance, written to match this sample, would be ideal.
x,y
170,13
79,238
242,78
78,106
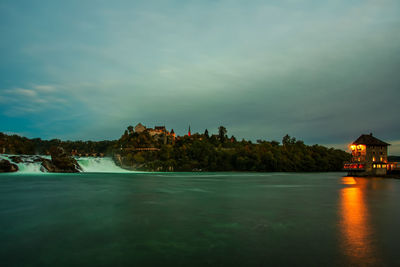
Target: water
x,y
197,219
88,164
29,165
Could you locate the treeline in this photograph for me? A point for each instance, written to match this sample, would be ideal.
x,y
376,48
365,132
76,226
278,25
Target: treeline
x,y
222,153
199,152
15,144
394,158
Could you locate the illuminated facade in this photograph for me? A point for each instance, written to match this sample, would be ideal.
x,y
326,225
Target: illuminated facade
x,y
369,157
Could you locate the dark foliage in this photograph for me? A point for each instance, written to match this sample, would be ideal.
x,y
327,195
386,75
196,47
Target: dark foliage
x,y
199,152
15,144
394,158
218,153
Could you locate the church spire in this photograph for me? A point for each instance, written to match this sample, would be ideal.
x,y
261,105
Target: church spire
x,y
189,133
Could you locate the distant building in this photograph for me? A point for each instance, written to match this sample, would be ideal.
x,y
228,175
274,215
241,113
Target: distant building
x,y
158,132
369,157
140,128
160,128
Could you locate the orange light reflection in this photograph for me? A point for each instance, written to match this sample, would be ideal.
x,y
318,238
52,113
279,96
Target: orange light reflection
x,y
356,233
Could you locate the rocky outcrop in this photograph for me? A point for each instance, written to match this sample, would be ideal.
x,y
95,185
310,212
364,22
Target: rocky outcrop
x,y
125,163
60,162
16,159
6,166
48,166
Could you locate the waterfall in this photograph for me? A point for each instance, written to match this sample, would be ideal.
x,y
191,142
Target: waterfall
x,y
34,167
29,164
32,164
89,164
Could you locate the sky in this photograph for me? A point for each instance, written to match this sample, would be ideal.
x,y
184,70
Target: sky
x,y
322,71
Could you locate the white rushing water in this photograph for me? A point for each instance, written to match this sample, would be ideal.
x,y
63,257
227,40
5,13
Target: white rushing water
x,y
29,164
35,167
88,164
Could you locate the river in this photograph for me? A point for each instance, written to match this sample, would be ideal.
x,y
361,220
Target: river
x,y
197,219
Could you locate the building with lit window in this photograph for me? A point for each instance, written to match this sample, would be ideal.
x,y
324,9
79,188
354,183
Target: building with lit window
x,y
369,157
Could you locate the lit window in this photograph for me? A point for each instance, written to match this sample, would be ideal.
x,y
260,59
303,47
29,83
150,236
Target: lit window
x,y
378,166
374,166
373,159
381,158
383,165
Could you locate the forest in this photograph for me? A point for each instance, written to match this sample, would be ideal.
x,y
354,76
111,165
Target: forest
x,y
202,152
15,144
198,152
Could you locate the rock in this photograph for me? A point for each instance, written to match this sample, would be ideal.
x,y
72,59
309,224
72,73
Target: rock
x,y
48,166
16,159
60,162
6,166
38,159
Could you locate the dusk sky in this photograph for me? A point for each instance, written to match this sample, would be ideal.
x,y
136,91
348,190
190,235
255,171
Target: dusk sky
x,y
321,71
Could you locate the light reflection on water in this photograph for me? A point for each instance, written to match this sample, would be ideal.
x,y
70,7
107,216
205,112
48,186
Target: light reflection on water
x,y
357,233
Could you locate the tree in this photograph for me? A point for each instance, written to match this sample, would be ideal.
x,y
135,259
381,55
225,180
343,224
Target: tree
x,y
222,133
287,140
130,129
274,143
206,133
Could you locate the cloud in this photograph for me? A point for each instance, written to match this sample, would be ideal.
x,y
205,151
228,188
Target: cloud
x,y
323,72
21,92
23,101
45,88
394,148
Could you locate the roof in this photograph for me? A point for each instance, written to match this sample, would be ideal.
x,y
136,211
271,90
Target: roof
x,y
368,139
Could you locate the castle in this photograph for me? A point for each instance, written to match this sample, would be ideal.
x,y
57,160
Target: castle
x,y
157,131
369,157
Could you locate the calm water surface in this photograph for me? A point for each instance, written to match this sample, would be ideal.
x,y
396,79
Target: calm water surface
x,y
218,219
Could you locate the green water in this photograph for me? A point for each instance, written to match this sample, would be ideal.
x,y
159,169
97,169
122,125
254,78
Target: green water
x,y
217,219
